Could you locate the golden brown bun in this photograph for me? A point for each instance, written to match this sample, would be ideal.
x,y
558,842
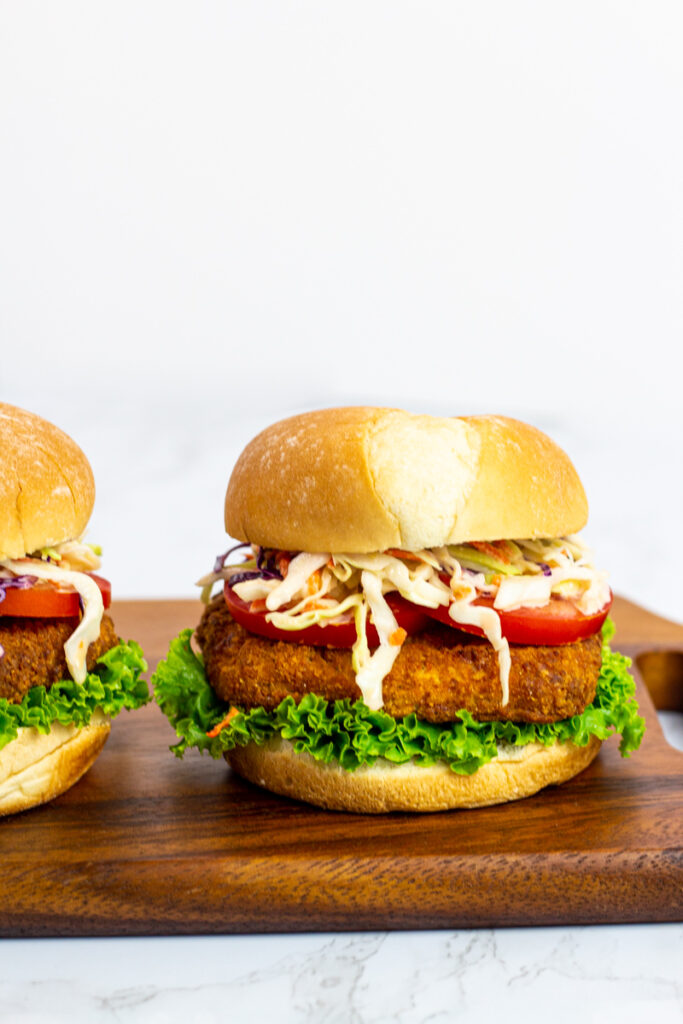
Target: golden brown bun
x,y
35,768
366,479
386,787
47,489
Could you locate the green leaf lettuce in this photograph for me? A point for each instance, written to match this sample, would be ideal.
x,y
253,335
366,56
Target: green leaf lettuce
x,y
113,684
349,733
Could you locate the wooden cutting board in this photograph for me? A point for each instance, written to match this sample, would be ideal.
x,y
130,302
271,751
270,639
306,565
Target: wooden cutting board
x,y
147,844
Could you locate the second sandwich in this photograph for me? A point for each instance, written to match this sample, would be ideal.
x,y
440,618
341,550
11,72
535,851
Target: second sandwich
x,y
63,671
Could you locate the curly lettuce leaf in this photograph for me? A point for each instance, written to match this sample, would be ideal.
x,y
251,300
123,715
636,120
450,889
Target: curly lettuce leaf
x,y
352,735
113,684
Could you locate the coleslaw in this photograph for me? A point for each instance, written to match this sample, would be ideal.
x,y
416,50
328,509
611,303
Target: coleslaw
x,y
301,589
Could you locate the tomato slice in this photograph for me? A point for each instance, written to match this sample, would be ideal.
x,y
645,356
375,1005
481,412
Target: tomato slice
x,y
408,616
559,622
47,600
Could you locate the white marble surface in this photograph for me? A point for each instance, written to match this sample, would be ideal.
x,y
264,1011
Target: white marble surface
x,y
625,974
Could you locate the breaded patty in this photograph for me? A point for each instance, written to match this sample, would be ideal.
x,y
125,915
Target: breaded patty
x,y
438,672
34,652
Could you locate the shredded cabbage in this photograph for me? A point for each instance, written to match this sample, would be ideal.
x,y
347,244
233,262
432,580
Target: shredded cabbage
x,y
300,570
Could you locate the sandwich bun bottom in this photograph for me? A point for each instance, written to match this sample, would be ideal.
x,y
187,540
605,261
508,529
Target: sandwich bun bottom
x,y
37,767
387,787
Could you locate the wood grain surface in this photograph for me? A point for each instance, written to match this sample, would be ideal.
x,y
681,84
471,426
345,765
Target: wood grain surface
x,y
149,844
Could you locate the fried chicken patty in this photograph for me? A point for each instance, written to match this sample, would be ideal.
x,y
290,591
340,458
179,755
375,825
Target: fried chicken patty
x,y
34,652
437,673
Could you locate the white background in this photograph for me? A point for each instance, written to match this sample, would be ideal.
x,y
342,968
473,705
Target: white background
x,y
214,214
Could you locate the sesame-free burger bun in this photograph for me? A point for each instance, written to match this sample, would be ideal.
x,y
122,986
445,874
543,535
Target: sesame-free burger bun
x,y
47,490
385,787
367,479
37,767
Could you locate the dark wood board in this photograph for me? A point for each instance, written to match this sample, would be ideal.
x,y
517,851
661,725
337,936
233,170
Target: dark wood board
x,y
147,844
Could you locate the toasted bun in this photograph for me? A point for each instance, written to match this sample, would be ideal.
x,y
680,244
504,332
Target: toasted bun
x,y
35,768
47,489
365,479
386,787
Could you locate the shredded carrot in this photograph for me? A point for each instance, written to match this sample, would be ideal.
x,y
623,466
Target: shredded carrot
x,y
258,605
497,549
232,713
282,560
313,582
410,556
397,637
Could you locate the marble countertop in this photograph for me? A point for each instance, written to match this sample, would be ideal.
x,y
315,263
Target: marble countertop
x,y
625,973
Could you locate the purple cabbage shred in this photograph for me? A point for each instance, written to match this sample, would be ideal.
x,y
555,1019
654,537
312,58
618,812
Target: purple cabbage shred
x,y
220,560
15,583
267,565
266,570
240,577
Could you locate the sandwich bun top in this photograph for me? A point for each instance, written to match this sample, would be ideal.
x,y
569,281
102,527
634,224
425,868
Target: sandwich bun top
x,y
47,490
366,479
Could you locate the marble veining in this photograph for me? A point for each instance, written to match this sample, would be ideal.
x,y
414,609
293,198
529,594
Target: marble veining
x,y
623,973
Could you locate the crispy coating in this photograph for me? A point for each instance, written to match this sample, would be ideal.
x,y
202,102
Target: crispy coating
x,y
438,672
34,652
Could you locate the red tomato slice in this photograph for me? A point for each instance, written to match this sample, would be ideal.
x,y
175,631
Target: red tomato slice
x,y
559,622
46,600
408,616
